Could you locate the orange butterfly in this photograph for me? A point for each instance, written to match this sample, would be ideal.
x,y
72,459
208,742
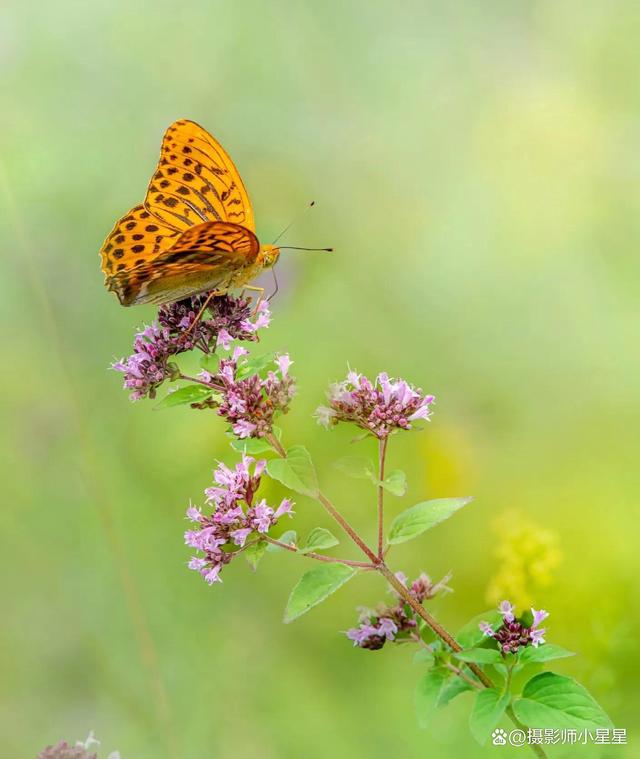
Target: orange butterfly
x,y
195,231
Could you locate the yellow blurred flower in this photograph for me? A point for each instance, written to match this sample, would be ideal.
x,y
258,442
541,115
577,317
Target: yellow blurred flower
x,y
527,557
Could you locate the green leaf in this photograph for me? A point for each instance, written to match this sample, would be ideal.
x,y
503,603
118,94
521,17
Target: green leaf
x,y
480,656
553,701
422,516
395,483
289,537
314,586
255,365
187,394
318,539
296,471
546,652
255,552
428,691
358,467
423,656
470,635
489,706
251,445
254,445
454,687
210,362
363,468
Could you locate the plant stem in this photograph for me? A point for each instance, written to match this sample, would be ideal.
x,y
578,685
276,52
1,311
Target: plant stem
x,y
445,636
277,445
382,452
348,528
331,508
212,385
433,623
448,665
377,563
319,556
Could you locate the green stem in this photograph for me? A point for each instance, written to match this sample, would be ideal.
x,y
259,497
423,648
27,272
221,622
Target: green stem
x,y
331,509
451,667
319,556
377,563
212,385
382,452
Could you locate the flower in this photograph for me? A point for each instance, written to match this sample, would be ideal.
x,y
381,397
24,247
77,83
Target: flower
x,y
506,609
235,516
512,634
395,622
378,407
249,403
148,366
62,750
177,331
226,319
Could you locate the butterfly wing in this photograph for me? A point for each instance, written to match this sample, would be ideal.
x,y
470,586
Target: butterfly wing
x,y
195,184
195,181
205,257
137,238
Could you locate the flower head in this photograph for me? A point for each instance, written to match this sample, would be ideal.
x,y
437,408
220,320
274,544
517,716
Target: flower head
x,y
396,621
218,537
63,750
513,634
180,329
378,407
249,403
148,366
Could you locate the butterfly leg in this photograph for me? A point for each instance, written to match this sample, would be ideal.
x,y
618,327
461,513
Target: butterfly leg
x,y
260,297
211,295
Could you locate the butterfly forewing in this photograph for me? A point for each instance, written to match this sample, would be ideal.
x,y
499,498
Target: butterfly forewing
x,y
196,181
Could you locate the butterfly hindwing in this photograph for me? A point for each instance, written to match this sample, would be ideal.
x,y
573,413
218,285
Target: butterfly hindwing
x,y
203,258
137,238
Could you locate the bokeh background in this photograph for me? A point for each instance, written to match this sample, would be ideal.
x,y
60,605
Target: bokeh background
x,y
477,168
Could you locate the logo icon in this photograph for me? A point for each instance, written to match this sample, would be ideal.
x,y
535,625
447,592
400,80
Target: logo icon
x,y
499,737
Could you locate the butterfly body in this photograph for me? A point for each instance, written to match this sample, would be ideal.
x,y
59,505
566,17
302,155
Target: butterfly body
x,y
195,231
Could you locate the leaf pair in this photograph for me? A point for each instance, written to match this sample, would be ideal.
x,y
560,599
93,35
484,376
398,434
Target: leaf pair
x,y
362,468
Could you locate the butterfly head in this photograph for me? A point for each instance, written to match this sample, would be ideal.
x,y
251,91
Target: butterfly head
x,y
268,255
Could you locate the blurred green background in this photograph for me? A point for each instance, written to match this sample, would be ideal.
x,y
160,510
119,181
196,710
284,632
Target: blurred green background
x,y
476,166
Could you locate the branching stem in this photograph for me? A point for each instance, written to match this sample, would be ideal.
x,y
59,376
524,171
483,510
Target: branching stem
x,y
378,563
319,556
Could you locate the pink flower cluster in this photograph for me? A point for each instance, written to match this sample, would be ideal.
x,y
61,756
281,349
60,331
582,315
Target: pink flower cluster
x,y
512,635
227,319
147,367
378,407
235,516
250,402
386,623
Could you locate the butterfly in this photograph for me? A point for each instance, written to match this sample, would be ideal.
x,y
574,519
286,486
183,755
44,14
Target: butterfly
x,y
194,231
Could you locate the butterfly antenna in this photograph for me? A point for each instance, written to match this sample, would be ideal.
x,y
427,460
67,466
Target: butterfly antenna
x,y
291,223
318,250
